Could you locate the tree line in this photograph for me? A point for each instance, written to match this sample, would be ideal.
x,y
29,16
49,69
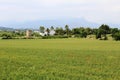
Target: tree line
x,y
66,32
82,32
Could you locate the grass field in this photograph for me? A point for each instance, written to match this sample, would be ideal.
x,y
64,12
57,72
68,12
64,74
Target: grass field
x,y
59,59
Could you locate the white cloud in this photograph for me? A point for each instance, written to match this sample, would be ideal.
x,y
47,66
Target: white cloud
x,y
93,10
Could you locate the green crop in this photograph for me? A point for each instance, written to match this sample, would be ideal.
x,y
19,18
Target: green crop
x,y
59,59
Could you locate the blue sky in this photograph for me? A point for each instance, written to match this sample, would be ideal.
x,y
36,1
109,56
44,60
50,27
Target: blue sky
x,y
99,11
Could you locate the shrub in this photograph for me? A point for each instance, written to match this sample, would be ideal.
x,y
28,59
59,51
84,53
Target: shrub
x,y
98,35
116,36
77,35
53,37
6,36
82,35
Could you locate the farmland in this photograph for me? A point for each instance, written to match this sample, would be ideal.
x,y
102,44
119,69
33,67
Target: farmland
x,y
59,59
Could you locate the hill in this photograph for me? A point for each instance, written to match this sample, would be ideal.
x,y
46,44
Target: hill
x,y
35,24
6,29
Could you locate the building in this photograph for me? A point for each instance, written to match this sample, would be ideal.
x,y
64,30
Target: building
x,y
28,33
52,33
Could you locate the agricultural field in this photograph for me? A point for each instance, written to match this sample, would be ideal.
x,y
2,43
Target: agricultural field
x,y
59,59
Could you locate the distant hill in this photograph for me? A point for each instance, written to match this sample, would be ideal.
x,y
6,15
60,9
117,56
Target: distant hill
x,y
6,29
79,22
58,23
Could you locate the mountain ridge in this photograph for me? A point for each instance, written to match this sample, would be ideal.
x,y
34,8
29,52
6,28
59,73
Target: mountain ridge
x,y
78,22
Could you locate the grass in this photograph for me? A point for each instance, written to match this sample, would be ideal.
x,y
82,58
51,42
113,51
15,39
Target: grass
x,y
59,59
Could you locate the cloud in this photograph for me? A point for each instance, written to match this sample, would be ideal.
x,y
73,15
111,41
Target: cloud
x,y
100,11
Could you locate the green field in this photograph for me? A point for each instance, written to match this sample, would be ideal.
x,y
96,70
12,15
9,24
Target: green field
x,y
59,59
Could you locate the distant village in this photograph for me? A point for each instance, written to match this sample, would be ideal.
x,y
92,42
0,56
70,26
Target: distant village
x,y
104,32
45,33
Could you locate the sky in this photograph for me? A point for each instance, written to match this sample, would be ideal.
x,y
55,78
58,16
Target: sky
x,y
99,11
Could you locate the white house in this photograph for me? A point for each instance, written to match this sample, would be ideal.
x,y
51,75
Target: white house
x,y
52,32
43,34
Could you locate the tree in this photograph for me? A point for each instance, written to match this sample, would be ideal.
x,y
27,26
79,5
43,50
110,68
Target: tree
x,y
67,30
83,33
98,35
103,30
75,31
42,29
36,34
79,32
51,28
116,36
88,31
114,30
7,36
95,30
59,31
48,31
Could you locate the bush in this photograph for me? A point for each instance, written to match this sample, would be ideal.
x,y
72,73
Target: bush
x,y
116,36
53,37
98,35
77,35
82,35
6,36
104,37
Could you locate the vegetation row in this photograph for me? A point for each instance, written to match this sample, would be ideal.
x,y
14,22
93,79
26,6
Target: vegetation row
x,y
59,32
